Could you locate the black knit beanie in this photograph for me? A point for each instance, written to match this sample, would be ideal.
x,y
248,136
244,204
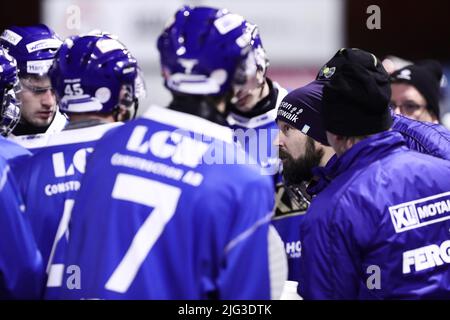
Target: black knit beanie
x,y
356,95
426,77
302,108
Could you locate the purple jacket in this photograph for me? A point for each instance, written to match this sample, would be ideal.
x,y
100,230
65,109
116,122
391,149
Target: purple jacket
x,y
424,137
379,230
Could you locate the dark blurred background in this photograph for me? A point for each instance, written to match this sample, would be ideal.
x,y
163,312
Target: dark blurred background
x,y
410,29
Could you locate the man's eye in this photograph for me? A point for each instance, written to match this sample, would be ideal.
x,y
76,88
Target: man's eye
x,y
41,90
411,106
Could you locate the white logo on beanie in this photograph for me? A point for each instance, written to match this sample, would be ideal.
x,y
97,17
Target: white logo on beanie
x,y
305,129
289,112
405,74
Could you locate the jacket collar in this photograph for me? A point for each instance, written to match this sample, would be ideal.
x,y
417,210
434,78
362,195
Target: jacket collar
x,y
363,153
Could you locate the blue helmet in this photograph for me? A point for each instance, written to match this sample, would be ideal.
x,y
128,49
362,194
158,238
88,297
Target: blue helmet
x,y
9,107
202,48
252,71
34,47
90,71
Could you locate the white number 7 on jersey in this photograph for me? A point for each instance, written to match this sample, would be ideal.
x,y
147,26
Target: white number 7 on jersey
x,y
164,199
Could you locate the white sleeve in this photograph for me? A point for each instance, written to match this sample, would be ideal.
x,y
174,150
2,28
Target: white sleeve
x,y
278,266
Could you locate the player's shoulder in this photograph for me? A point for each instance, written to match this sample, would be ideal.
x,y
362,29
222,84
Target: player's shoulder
x,y
66,138
12,147
30,141
187,122
81,135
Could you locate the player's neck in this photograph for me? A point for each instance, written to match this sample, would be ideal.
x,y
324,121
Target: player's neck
x,y
88,117
78,121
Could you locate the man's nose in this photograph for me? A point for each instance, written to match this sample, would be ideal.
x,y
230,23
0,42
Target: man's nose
x,y
48,98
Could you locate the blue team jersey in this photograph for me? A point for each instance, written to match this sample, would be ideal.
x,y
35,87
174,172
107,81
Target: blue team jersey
x,y
21,265
165,213
50,180
256,135
32,142
12,151
288,226
14,154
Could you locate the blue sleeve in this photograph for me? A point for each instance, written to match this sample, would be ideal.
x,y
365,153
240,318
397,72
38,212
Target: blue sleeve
x,y
289,229
424,137
245,251
20,261
329,268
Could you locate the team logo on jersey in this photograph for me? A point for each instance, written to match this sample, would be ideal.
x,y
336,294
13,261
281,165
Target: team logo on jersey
x,y
293,249
177,145
421,212
63,169
326,72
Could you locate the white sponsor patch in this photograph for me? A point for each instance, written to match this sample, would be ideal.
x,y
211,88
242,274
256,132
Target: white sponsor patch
x,y
129,70
39,66
109,45
43,44
421,212
197,83
426,257
405,74
228,22
11,37
306,129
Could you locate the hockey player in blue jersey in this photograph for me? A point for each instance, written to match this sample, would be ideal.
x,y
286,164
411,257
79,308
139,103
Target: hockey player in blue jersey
x,y
252,110
165,210
34,48
252,113
21,265
94,76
